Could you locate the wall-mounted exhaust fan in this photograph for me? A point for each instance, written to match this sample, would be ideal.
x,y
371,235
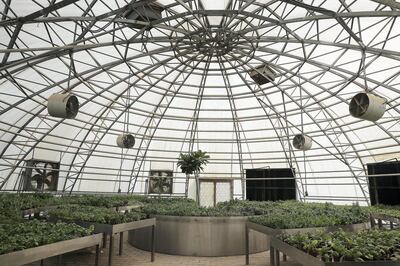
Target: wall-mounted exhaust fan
x,y
302,142
262,74
63,105
367,106
41,175
126,141
148,12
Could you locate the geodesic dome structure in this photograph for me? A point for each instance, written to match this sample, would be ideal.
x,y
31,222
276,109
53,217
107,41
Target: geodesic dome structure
x,y
178,76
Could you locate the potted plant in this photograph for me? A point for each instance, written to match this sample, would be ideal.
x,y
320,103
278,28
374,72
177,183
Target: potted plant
x,y
193,163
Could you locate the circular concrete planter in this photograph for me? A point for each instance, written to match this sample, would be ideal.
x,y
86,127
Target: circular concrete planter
x,y
199,236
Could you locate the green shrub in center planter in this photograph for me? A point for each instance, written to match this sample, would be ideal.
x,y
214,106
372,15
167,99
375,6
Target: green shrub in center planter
x,y
338,246
101,215
188,207
280,214
250,208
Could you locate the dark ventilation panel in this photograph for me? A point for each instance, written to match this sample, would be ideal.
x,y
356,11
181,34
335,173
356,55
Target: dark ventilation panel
x,y
41,175
281,186
262,74
384,189
146,13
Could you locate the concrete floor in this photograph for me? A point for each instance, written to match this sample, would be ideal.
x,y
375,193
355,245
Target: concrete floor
x,y
134,256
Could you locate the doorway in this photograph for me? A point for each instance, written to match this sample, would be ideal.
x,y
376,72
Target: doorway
x,y
213,191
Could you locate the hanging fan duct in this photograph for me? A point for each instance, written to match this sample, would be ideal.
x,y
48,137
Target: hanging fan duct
x,y
302,142
367,106
262,74
63,105
146,13
126,141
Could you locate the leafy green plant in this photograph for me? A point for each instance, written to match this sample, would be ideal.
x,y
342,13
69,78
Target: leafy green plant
x,y
246,208
11,204
290,215
33,233
10,217
367,245
281,214
102,201
392,211
26,201
79,213
193,163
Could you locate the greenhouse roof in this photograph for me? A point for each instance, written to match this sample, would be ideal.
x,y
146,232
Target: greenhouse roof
x,y
180,76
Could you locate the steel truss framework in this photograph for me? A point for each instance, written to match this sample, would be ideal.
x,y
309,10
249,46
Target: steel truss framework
x,y
184,81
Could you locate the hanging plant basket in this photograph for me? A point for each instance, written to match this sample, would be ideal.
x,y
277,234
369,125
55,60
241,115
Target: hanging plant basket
x,y
367,106
126,141
63,105
302,142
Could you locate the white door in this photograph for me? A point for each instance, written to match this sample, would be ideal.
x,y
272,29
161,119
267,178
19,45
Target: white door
x,y
212,192
223,191
206,194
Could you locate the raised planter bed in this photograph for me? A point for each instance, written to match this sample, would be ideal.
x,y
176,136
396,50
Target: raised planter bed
x,y
305,259
42,252
271,232
104,220
111,230
199,236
